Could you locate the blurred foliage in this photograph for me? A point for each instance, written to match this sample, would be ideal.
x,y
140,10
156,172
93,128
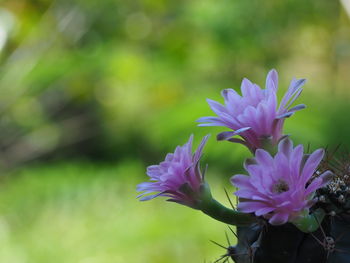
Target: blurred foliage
x,y
123,82
87,218
110,80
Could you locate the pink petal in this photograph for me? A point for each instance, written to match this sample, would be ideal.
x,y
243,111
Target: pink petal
x,y
286,146
228,134
315,184
211,121
279,219
263,157
263,211
199,150
240,180
216,107
272,80
296,158
311,164
249,207
246,86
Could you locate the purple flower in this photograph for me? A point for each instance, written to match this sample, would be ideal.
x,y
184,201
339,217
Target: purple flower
x,y
280,187
254,116
177,177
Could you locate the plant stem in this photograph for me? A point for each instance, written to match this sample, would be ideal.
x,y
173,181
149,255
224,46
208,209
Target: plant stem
x,y
216,210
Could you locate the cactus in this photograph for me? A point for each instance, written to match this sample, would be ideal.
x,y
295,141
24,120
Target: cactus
x,y
293,207
263,242
286,243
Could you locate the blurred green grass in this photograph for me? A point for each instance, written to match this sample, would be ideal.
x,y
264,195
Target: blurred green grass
x,y
87,213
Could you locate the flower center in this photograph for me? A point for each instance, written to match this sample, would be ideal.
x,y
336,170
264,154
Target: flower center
x,y
280,187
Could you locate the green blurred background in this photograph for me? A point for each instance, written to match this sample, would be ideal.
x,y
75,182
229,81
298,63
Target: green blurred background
x,y
93,91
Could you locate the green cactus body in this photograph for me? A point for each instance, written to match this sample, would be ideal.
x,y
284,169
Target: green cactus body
x,y
287,244
328,243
